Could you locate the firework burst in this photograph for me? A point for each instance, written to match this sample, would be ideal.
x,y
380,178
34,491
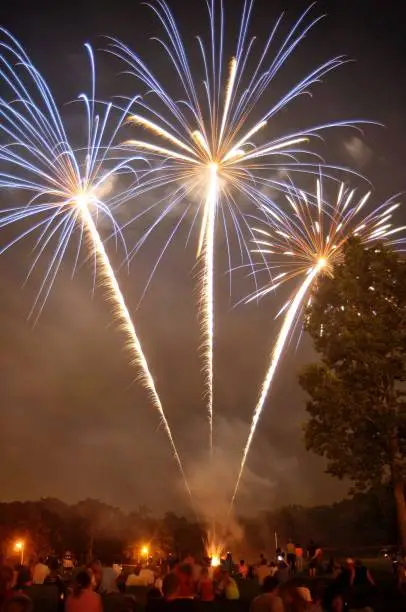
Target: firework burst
x,y
65,186
303,244
211,149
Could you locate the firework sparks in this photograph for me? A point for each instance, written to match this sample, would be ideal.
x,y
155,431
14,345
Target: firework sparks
x,y
207,152
305,245
65,195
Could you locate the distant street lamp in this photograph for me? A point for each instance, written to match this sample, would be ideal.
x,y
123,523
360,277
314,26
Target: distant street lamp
x,y
19,547
145,552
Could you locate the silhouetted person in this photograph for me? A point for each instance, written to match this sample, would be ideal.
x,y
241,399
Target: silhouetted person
x,y
17,603
269,601
83,598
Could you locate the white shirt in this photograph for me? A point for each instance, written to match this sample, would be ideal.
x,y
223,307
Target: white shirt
x,y
40,572
134,580
262,572
147,575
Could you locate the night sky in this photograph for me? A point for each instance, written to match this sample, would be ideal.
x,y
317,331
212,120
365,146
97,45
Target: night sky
x,y
74,421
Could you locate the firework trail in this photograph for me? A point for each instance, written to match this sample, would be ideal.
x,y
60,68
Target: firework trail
x,y
36,157
305,243
201,147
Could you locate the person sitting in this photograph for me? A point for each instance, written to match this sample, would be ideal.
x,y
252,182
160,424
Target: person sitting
x,y
108,584
262,571
6,583
295,599
17,603
54,579
205,587
273,568
282,573
147,576
96,573
155,601
83,598
228,587
186,582
24,579
134,579
174,601
269,601
40,572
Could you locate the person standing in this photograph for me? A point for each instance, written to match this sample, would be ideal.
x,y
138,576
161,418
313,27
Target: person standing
x,y
362,586
242,569
299,558
291,556
313,560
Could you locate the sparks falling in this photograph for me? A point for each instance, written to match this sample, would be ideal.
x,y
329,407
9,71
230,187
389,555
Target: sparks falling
x,y
201,148
305,243
65,196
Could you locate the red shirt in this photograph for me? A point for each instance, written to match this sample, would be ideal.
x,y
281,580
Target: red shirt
x,y
87,601
206,590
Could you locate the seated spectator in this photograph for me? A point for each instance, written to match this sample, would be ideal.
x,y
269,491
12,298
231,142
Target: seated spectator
x,y
147,576
262,571
155,601
40,572
186,581
108,584
83,598
158,580
134,579
269,601
54,579
24,579
317,593
401,576
174,601
129,604
17,603
230,587
96,573
205,587
295,599
170,586
273,568
282,572
6,583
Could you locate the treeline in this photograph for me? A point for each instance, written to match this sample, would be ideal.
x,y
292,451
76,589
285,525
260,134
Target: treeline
x,y
362,521
91,528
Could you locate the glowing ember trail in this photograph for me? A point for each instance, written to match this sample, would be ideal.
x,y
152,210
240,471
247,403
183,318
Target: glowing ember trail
x,y
121,313
306,242
66,188
207,290
204,160
280,344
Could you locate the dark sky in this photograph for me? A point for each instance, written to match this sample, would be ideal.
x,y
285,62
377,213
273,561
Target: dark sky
x,y
74,422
